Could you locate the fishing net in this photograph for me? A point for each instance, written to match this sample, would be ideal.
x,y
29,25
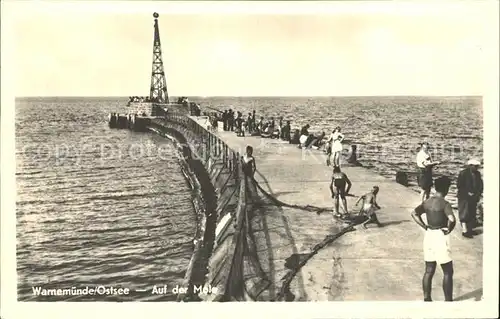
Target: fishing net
x,y
247,271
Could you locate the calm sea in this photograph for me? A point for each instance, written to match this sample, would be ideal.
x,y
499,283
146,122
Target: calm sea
x,y
97,206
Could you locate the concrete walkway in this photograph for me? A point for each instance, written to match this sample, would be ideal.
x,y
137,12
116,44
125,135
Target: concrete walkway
x,y
379,264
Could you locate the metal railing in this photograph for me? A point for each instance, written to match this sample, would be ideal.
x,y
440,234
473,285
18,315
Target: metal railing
x,y
218,158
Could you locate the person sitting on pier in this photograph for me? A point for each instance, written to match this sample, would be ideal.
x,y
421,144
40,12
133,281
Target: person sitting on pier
x,y
304,135
309,140
248,163
338,189
296,137
266,130
368,207
316,141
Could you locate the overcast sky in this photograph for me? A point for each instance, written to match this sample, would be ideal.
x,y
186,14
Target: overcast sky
x,y
106,50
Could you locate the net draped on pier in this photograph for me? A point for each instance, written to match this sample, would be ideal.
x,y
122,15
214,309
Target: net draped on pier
x,y
239,265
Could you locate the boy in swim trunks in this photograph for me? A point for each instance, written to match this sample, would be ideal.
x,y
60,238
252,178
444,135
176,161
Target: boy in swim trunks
x,y
440,223
369,206
338,190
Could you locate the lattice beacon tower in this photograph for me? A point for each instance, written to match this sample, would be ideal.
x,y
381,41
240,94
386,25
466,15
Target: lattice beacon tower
x,y
158,92
157,103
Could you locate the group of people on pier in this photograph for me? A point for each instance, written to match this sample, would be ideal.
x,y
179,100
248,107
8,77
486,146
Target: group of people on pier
x,y
249,124
278,128
142,99
469,187
440,219
469,182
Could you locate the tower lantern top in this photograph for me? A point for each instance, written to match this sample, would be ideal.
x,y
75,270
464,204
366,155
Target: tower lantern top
x,y
156,15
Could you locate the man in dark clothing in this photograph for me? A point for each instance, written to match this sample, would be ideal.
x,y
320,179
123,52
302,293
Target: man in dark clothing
x,y
295,139
305,130
225,120
230,120
249,123
285,132
470,189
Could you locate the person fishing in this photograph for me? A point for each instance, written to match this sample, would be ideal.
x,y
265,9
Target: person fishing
x,y
248,162
338,189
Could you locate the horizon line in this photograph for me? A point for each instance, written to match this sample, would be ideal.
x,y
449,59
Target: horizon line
x,y
233,96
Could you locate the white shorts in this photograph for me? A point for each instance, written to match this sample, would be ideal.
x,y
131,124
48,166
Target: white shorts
x,y
303,139
437,246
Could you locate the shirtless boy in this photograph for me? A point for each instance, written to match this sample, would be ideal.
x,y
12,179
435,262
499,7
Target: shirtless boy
x,y
369,206
440,223
338,190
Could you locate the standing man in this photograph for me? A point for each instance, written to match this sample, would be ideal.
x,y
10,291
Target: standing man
x,y
440,223
254,125
470,189
425,165
285,132
230,120
225,120
250,123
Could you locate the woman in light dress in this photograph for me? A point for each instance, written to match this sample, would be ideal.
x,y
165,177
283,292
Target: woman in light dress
x,y
335,147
